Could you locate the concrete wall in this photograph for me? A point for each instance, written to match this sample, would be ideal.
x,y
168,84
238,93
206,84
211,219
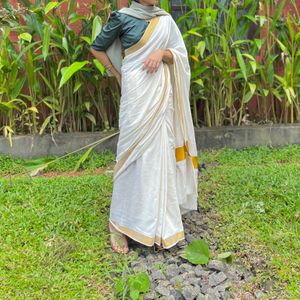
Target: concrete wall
x,y
27,146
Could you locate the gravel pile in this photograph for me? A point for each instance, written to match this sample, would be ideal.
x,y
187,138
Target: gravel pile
x,y
173,277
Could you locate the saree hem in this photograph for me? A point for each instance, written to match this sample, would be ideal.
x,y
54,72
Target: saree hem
x,y
147,240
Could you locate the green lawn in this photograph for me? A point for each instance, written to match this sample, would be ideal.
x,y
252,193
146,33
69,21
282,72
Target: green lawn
x,y
256,194
54,237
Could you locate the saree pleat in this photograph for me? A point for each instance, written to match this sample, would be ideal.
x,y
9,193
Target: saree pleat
x,y
155,176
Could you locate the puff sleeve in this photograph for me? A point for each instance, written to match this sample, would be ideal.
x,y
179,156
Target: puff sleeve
x,y
109,32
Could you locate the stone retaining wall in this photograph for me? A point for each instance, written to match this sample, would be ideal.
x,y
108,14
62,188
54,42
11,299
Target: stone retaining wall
x,y
29,146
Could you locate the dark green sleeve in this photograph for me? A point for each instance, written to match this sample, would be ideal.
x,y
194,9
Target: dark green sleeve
x,y
109,32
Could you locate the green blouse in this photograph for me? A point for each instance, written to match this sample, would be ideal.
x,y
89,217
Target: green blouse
x,y
129,29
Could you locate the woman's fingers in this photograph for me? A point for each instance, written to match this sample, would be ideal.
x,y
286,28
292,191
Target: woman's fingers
x,y
151,65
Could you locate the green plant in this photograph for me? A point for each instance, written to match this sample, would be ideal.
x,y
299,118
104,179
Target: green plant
x,y
197,252
226,257
58,89
288,84
229,69
135,284
165,4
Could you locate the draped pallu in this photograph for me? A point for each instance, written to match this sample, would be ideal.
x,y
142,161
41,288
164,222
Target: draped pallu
x,y
156,171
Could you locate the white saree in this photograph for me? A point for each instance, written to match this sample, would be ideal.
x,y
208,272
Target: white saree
x,y
156,171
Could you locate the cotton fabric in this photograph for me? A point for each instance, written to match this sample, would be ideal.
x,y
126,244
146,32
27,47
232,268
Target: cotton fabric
x,y
155,176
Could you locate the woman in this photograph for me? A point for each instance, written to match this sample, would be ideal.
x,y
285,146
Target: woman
x,y
155,176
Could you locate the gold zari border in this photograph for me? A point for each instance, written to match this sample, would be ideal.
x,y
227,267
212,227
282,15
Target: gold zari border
x,y
182,152
149,241
145,37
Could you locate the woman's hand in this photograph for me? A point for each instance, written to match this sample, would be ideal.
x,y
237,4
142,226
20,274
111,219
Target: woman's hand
x,y
153,61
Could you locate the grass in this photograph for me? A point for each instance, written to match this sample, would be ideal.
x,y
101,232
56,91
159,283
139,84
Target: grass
x,y
52,240
54,237
10,165
256,194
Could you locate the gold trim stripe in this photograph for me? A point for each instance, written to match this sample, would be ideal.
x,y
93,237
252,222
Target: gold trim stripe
x,y
182,153
149,241
145,37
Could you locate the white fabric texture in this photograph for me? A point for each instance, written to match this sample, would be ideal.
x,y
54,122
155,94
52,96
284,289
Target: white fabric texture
x,y
151,189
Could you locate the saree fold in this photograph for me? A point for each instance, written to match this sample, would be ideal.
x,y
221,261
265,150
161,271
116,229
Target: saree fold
x,y
156,171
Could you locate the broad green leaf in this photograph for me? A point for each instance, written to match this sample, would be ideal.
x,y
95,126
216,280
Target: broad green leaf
x,y
91,118
241,63
87,39
191,32
281,45
262,20
201,48
33,166
33,108
25,36
87,104
277,14
225,256
195,58
140,281
83,158
258,43
199,81
197,252
96,28
265,92
249,56
47,82
134,294
277,94
18,87
250,94
65,44
45,123
120,285
67,72
77,86
46,41
50,6
165,4
253,66
7,106
252,87
99,66
238,42
74,18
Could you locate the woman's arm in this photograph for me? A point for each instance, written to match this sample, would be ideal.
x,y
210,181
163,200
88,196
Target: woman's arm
x,y
153,61
105,61
167,56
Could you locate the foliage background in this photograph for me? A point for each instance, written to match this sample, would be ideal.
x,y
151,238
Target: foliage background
x,y
244,56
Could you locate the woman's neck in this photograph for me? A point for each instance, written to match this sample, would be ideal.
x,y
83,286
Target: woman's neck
x,y
144,3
